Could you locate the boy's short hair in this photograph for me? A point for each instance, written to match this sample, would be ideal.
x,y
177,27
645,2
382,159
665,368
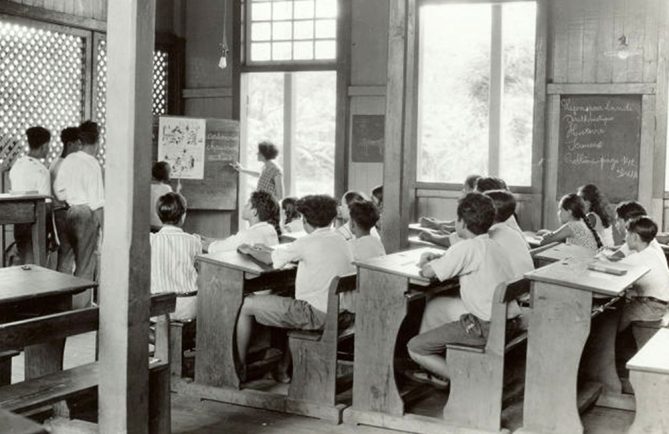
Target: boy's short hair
x,y
318,209
160,171
266,206
487,183
89,133
353,196
630,209
289,206
268,150
170,207
477,212
470,181
643,226
37,136
68,136
377,192
504,202
364,214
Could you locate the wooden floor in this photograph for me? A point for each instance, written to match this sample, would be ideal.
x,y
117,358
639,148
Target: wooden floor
x,y
191,416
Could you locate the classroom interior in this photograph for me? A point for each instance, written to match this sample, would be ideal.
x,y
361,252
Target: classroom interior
x,y
413,95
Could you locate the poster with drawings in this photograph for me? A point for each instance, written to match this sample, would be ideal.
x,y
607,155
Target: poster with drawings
x,y
181,144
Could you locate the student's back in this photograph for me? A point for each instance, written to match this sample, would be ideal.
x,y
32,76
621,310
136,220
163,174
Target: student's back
x,y
514,247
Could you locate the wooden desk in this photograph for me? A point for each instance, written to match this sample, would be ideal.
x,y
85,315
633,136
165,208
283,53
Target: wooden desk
x,y
383,295
33,292
533,240
562,251
28,208
559,325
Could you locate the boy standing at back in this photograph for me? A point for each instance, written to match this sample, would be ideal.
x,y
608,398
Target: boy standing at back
x,y
79,183
321,255
29,174
482,265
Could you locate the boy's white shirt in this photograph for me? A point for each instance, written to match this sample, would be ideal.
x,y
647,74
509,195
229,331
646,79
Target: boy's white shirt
x,y
259,233
29,174
656,282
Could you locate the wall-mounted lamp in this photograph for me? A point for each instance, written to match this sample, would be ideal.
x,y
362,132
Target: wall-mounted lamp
x,y
223,61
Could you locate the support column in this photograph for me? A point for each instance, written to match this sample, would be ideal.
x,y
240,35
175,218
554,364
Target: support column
x,y
125,285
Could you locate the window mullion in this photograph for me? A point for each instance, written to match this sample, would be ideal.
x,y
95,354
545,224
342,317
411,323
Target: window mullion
x,y
496,91
289,119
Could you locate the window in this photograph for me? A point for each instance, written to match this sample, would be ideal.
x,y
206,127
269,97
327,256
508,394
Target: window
x,y
43,83
292,31
296,112
476,91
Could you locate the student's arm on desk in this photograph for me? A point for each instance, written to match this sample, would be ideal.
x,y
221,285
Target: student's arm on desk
x,y
560,235
259,252
426,269
442,240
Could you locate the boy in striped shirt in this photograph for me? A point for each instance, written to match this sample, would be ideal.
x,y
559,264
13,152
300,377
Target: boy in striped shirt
x,y
173,254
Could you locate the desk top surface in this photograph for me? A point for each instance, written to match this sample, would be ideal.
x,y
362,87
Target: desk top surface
x,y
564,251
654,356
17,284
574,273
8,197
403,263
235,260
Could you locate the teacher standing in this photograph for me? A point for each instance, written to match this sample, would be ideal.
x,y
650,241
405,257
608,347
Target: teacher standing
x,y
270,179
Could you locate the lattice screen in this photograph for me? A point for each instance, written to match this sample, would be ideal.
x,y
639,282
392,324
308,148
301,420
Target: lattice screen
x,y
160,77
42,79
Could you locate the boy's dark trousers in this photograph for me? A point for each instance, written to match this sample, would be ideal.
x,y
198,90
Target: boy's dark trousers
x,y
83,230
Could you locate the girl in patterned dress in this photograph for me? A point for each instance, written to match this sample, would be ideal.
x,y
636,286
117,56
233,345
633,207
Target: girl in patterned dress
x,y
575,227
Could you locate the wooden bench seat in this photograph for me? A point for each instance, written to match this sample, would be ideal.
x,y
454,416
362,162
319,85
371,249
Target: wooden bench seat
x,y
313,389
15,424
58,386
649,375
477,372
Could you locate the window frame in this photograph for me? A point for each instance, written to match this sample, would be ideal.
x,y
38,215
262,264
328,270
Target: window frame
x,y
496,90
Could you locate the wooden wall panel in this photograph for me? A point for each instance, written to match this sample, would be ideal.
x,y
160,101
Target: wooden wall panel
x,y
96,9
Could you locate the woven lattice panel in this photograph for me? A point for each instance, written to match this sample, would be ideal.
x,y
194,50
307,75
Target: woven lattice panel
x,y
159,100
42,83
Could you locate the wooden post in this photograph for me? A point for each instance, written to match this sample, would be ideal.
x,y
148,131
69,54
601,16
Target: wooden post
x,y
124,287
399,157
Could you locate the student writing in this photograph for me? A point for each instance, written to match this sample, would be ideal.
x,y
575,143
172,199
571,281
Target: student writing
x,y
575,227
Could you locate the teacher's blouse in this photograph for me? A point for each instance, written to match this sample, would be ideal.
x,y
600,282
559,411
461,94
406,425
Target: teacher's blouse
x,y
266,182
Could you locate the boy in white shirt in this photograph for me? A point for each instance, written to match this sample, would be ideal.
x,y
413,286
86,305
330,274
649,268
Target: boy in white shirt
x,y
650,294
481,264
262,213
321,255
79,183
173,254
363,218
28,174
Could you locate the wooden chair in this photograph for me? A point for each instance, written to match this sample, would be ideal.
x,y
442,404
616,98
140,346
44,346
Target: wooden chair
x,y
313,389
535,251
477,372
182,338
649,375
52,388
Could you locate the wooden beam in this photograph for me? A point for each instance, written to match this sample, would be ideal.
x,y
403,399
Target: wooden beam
x,y
343,101
41,14
601,88
400,139
126,270
208,92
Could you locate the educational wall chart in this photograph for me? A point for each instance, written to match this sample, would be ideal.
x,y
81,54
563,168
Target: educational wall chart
x,y
181,143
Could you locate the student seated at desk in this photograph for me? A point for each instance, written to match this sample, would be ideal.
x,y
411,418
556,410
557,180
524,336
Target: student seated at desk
x,y
173,253
575,227
321,255
446,226
291,220
481,264
262,213
650,294
595,208
626,211
160,185
343,212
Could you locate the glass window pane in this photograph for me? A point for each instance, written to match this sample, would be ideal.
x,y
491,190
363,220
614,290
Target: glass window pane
x,y
304,9
260,51
282,10
454,82
282,31
304,30
260,31
326,50
264,119
261,11
303,50
326,28
326,8
314,145
518,33
281,51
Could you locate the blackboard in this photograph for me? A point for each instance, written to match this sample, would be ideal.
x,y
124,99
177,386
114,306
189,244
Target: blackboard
x,y
218,189
599,142
367,138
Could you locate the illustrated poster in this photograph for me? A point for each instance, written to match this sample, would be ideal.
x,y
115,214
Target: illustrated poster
x,y
181,143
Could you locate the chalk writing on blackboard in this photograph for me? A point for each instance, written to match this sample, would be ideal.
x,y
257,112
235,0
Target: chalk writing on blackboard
x,y
367,138
600,136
